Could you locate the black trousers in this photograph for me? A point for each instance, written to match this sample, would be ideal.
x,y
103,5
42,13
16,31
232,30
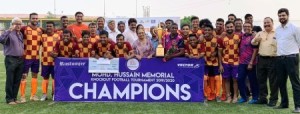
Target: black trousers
x,y
266,69
288,66
14,68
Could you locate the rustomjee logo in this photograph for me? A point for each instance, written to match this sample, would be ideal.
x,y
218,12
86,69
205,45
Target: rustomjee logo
x,y
188,65
130,92
72,63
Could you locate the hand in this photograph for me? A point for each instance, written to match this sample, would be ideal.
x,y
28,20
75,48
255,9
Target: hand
x,y
214,54
221,69
190,56
254,34
110,56
250,67
93,54
131,53
197,57
201,38
126,57
258,39
186,54
97,56
80,40
138,57
168,57
76,53
13,27
149,57
76,56
52,54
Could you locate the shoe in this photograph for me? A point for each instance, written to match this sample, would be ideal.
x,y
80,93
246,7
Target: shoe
x,y
23,100
18,102
223,98
253,101
297,110
261,102
212,96
218,99
234,100
228,99
271,104
52,98
34,98
44,97
281,107
205,99
12,103
241,100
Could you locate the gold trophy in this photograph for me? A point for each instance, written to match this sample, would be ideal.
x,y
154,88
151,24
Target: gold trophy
x,y
160,51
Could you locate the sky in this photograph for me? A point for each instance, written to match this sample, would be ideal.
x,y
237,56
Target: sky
x,y
211,9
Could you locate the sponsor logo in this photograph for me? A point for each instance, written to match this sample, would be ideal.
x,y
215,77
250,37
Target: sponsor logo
x,y
72,63
133,64
188,65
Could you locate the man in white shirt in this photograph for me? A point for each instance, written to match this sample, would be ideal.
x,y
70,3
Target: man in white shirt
x,y
288,42
112,30
130,34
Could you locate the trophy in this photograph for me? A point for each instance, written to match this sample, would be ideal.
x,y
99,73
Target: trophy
x,y
160,51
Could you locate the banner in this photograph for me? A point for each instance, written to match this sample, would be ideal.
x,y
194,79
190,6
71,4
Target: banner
x,y
147,80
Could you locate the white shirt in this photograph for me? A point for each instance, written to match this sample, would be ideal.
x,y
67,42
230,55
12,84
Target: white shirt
x,y
288,39
130,36
113,34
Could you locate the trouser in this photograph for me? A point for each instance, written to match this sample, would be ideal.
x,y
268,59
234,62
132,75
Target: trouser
x,y
14,68
266,69
243,73
288,66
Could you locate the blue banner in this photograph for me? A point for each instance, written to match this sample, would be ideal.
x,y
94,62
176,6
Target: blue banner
x,y
147,80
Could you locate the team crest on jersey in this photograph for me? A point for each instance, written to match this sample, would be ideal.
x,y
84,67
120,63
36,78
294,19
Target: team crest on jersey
x,y
61,47
56,39
213,44
40,33
236,41
226,43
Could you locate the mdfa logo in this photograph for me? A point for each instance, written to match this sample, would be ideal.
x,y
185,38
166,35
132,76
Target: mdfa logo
x,y
188,65
133,64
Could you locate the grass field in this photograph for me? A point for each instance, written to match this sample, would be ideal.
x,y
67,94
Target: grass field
x,y
50,107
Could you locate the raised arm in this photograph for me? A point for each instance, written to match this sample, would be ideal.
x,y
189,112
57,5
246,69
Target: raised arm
x,y
256,40
4,37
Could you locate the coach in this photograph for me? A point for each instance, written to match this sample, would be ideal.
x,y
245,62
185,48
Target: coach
x,y
12,41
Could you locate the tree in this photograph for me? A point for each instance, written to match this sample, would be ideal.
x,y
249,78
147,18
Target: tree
x,y
186,20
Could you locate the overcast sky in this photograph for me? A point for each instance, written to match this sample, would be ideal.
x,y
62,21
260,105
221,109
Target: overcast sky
x,y
211,9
